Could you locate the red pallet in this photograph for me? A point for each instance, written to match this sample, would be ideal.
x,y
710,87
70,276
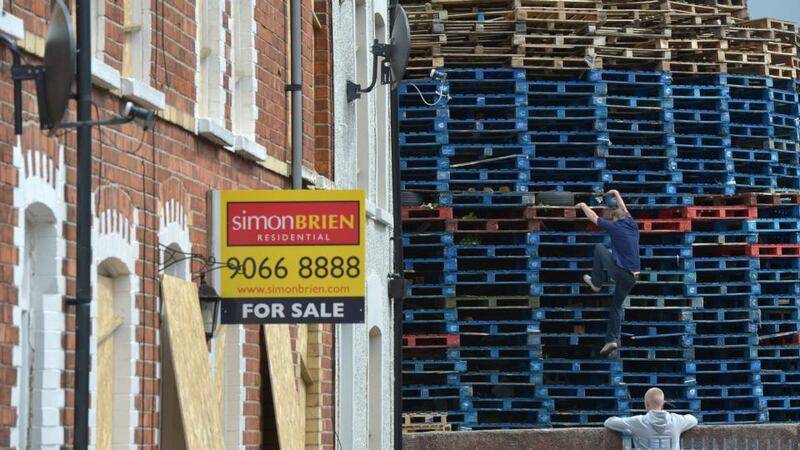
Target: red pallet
x,y
664,225
774,250
782,339
770,199
749,199
416,213
492,225
698,213
431,341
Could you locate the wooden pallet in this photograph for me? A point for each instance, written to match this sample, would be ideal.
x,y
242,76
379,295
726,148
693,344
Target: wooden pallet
x,y
560,67
538,45
421,422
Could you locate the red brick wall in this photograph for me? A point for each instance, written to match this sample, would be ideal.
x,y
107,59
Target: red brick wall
x,y
140,163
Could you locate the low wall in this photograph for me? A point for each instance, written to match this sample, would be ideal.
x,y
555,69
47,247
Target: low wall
x,y
592,438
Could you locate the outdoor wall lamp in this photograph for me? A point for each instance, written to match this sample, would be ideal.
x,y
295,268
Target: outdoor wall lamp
x,y
209,307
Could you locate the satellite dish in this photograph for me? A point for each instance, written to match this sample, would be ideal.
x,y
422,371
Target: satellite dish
x,y
401,44
395,56
59,65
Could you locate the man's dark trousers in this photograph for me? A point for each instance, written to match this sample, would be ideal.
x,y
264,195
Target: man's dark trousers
x,y
624,279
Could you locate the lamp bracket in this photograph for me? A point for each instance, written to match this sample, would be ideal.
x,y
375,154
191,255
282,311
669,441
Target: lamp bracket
x,y
207,263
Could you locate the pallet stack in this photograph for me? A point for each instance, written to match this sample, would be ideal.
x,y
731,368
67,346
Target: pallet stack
x,y
499,330
563,38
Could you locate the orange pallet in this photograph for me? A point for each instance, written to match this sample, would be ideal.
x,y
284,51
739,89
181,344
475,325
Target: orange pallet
x,y
664,225
720,212
431,341
426,213
774,250
749,199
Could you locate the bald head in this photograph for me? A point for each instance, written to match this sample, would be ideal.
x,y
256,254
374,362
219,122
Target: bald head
x,y
654,399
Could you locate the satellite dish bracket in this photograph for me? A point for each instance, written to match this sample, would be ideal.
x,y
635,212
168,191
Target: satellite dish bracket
x,y
24,72
354,90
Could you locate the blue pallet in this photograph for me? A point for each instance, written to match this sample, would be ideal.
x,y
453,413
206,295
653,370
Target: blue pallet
x,y
727,417
629,77
431,366
755,182
704,166
592,418
488,175
437,392
636,201
496,328
432,264
486,126
577,113
580,392
566,163
430,315
639,127
498,277
749,81
436,186
484,200
566,88
486,150
427,239
700,117
465,252
717,264
495,378
641,151
551,137
422,138
431,290
751,131
487,102
505,401
582,366
463,74
680,91
411,163
530,352
630,176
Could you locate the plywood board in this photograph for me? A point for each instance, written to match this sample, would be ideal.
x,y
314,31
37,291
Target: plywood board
x,y
105,362
289,416
219,370
201,419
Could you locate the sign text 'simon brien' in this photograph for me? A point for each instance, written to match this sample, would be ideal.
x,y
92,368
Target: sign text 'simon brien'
x,y
293,223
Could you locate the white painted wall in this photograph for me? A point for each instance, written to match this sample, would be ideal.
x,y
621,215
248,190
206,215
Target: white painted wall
x,y
357,128
39,358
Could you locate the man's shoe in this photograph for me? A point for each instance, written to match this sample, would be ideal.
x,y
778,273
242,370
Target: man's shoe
x,y
609,349
588,280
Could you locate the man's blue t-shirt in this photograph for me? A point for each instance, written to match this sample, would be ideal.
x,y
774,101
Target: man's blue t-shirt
x,y
624,242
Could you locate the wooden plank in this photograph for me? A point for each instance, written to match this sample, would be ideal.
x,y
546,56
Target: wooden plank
x,y
185,332
220,341
105,364
289,417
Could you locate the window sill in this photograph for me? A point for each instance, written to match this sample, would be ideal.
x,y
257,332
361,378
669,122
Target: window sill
x,y
214,132
105,76
12,27
143,94
249,149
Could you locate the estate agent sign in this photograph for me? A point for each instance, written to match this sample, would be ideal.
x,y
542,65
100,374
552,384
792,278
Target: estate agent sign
x,y
289,256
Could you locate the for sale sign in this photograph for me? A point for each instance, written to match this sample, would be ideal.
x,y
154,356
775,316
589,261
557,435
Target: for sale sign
x,y
289,256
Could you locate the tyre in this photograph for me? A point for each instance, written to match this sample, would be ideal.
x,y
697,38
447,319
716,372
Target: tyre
x,y
409,198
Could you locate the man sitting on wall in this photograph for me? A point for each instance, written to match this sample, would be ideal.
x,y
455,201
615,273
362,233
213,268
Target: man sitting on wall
x,y
656,430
